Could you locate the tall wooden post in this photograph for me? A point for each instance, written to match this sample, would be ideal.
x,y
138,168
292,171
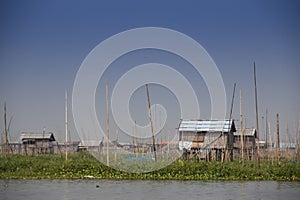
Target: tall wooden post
x,y
278,138
5,132
117,142
271,142
151,124
66,123
117,136
222,134
298,140
241,127
256,111
107,128
267,130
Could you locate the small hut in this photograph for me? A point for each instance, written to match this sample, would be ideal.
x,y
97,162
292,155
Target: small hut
x,y
249,142
37,143
90,145
207,138
249,135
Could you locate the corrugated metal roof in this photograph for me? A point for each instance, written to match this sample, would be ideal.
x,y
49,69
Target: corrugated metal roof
x,y
207,125
89,143
246,132
28,135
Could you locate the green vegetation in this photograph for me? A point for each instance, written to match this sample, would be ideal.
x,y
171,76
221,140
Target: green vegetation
x,y
84,165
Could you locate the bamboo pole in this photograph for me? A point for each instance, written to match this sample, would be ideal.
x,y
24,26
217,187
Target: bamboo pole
x,y
241,127
256,114
66,123
288,142
107,128
271,142
267,129
136,139
222,134
278,138
117,142
298,140
153,138
117,136
5,132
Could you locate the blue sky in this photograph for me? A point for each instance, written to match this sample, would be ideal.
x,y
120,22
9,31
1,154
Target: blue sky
x,y
43,44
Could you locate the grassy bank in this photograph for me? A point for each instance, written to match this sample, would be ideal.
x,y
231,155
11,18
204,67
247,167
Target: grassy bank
x,y
83,165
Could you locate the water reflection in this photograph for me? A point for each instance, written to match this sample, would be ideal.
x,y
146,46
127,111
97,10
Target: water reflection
x,y
66,190
137,189
242,190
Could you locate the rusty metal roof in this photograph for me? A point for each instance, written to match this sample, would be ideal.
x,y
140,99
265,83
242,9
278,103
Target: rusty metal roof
x,y
207,125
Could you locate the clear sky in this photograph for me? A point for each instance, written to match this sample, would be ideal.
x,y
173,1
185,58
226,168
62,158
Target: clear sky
x,y
43,43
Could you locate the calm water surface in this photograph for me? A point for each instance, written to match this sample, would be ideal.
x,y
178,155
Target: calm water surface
x,y
152,190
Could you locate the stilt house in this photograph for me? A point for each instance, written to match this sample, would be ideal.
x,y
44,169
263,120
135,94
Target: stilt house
x,y
207,138
37,143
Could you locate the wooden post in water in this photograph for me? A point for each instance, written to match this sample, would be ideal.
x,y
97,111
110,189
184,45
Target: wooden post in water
x,y
288,141
230,118
267,130
271,142
297,141
241,127
66,123
278,138
107,128
149,106
117,142
136,139
256,112
5,132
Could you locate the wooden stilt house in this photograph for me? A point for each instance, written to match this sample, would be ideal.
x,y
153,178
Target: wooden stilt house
x,y
37,143
208,139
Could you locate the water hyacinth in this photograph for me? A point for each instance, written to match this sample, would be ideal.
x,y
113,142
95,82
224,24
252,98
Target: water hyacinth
x,y
83,165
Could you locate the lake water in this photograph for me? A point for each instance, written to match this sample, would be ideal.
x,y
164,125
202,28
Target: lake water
x,y
148,190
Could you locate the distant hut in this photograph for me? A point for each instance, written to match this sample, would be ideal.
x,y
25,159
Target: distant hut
x,y
37,143
249,138
60,147
208,139
90,145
